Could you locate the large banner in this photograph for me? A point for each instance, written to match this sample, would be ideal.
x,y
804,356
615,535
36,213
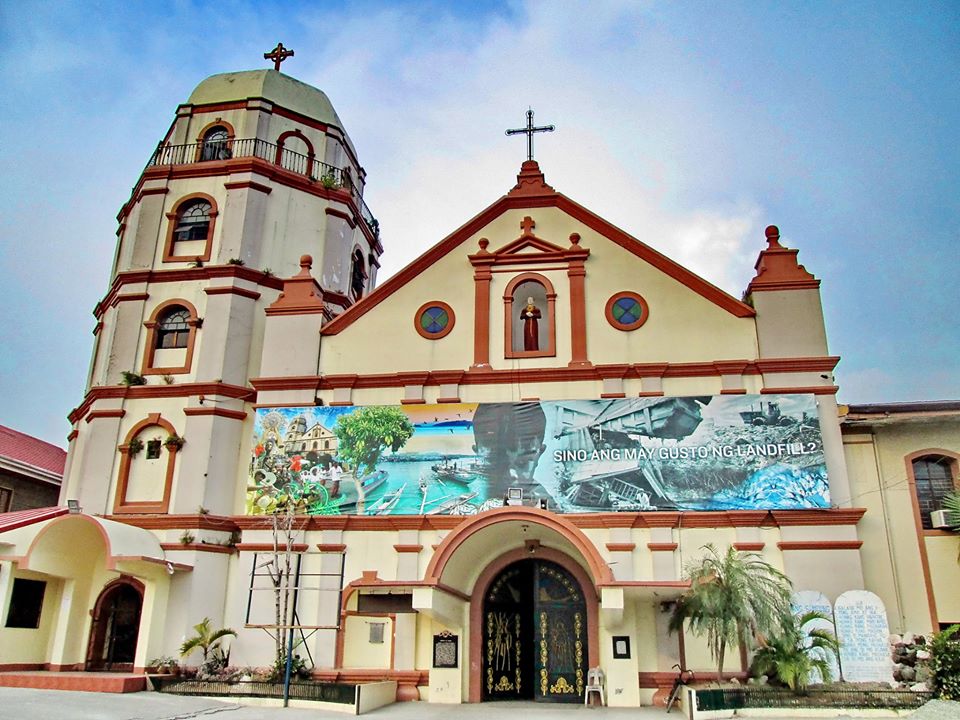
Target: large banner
x,y
638,454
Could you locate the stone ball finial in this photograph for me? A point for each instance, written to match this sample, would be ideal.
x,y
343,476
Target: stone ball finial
x,y
306,262
773,235
483,242
574,239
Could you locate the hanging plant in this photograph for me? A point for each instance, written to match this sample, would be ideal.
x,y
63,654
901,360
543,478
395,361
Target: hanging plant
x,y
134,447
174,441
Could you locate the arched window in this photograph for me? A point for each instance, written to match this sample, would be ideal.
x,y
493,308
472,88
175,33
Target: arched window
x,y
193,221
215,144
934,479
190,235
171,336
173,330
358,275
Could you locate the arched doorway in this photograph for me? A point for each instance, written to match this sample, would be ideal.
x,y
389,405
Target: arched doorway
x,y
534,634
116,625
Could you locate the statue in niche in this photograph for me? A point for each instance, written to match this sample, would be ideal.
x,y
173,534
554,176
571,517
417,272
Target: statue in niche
x,y
531,325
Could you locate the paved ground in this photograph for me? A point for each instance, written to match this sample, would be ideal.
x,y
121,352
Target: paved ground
x,y
22,704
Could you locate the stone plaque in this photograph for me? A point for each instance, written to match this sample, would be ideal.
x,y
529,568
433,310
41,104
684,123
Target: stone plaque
x,y
863,630
445,650
804,601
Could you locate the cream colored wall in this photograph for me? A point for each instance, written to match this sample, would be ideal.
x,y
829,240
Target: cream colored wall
x,y
147,477
943,554
636,622
358,651
28,645
878,477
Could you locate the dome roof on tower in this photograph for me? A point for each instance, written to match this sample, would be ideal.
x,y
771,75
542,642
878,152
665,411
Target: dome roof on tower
x,y
272,85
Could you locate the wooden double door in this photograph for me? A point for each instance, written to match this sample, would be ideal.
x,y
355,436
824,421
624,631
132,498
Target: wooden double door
x,y
534,634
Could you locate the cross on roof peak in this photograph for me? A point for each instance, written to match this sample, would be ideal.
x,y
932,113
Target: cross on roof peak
x,y
278,55
529,130
527,225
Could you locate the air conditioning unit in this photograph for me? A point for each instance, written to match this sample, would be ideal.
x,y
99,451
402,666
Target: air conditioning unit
x,y
938,518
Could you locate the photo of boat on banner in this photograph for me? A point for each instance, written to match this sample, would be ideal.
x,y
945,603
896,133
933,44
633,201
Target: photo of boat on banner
x,y
633,454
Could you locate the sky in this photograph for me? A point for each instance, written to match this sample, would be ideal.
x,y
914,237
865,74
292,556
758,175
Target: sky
x,y
691,125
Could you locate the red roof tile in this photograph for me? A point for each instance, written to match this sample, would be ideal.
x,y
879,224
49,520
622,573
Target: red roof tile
x,y
20,518
32,451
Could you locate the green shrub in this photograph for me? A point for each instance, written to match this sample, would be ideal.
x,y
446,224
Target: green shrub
x,y
944,664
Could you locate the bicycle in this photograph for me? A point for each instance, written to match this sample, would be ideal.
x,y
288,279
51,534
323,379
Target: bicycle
x,y
683,677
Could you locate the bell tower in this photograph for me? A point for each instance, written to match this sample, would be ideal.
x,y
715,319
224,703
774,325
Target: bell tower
x,y
255,172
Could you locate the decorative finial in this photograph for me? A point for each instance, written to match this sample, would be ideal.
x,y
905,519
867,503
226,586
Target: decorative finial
x,y
773,235
278,55
306,262
529,130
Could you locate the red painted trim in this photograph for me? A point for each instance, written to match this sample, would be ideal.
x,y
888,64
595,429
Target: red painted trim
x,y
232,290
451,543
749,546
129,297
179,275
97,414
331,548
820,545
269,547
408,548
219,412
249,185
73,435
734,391
443,333
138,392
350,220
661,547
810,390
621,547
198,547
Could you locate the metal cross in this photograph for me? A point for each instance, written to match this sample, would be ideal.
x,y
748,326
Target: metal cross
x,y
529,130
278,55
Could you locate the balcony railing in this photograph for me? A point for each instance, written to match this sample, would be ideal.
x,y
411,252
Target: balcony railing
x,y
329,176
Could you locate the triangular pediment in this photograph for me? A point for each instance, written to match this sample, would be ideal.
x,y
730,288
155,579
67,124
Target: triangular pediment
x,y
530,248
528,245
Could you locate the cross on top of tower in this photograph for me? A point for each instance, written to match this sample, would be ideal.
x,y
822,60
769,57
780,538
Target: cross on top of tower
x,y
529,130
278,55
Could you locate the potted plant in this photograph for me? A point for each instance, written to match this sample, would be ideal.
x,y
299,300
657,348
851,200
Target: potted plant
x,y
173,441
134,447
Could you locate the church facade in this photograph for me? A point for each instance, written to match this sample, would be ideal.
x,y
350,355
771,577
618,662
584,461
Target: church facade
x,y
495,465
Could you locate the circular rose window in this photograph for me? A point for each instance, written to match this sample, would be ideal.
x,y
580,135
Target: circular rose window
x,y
434,320
627,311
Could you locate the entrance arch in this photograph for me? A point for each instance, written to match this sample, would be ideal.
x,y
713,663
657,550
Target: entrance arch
x,y
560,570
116,626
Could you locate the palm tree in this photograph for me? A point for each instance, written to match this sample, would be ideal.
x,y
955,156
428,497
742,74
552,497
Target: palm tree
x,y
792,656
733,598
206,639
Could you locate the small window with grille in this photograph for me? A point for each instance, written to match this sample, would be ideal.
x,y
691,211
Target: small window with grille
x,y
215,144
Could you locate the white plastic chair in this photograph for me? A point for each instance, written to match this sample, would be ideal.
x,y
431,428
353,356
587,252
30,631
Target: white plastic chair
x,y
594,684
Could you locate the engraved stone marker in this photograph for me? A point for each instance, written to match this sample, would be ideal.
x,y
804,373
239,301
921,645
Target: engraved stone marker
x,y
863,630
